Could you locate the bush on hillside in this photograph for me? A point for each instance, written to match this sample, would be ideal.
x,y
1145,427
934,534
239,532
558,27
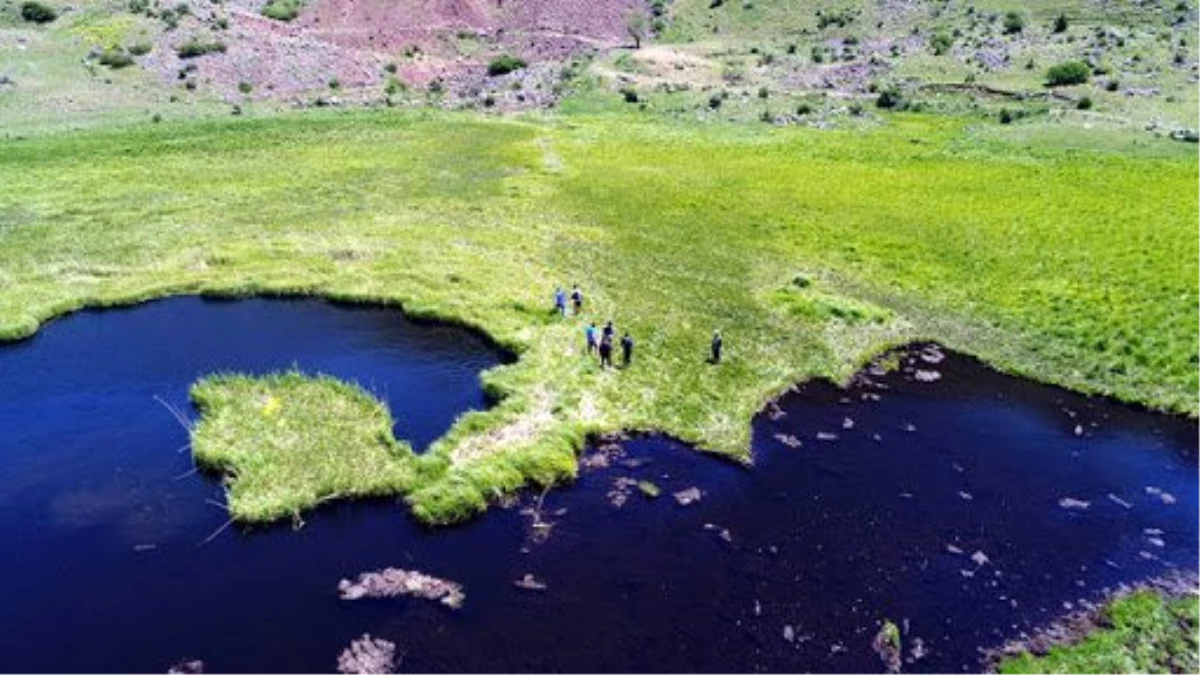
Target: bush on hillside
x,y
1014,22
115,58
505,64
282,10
36,12
1067,73
197,47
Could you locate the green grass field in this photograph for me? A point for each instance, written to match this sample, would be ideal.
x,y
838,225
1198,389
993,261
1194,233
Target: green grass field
x,y
1076,266
1142,633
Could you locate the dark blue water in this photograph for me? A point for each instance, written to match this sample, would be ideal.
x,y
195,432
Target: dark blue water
x,y
102,520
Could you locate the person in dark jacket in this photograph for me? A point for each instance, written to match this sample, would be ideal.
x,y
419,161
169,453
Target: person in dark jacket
x,y
609,331
717,343
626,349
577,299
606,352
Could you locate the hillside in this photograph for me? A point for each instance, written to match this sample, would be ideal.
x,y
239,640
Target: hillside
x,y
816,63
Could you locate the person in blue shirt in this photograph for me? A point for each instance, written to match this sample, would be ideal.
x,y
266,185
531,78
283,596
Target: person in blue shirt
x,y
590,334
560,301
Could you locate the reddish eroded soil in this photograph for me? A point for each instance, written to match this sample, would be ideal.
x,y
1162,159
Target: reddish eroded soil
x,y
351,42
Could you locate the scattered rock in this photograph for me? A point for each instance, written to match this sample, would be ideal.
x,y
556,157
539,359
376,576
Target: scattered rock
x,y
927,375
847,423
1119,502
1166,497
721,531
932,354
530,583
774,412
951,548
187,667
979,558
618,494
910,427
1074,504
1078,429
688,496
368,655
966,496
391,582
918,650
1155,541
826,436
789,633
788,440
635,462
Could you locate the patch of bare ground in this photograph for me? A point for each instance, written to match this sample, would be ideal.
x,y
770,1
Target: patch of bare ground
x,y
523,429
350,43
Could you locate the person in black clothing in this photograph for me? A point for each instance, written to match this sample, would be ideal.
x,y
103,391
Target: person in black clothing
x,y
716,347
577,299
606,352
609,331
626,349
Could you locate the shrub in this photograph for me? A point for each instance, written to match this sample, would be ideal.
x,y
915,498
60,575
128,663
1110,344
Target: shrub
x,y
715,101
505,64
1014,22
36,12
1067,73
818,55
804,109
1006,117
763,92
1084,103
1112,85
889,98
245,87
390,68
941,42
197,47
1061,24
282,10
115,58
140,48
334,83
630,94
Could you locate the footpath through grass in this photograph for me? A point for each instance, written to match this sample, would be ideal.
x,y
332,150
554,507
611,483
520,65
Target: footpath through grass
x,y
809,250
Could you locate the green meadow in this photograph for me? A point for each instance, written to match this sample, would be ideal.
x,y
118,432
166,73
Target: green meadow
x,y
810,250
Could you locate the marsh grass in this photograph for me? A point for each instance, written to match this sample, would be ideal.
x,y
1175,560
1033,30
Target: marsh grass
x,y
286,442
1075,266
1140,633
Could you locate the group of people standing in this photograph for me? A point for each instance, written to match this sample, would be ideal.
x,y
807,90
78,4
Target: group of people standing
x,y
604,345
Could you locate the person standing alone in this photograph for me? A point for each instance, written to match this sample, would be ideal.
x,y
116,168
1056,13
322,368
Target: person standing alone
x,y
626,349
717,343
